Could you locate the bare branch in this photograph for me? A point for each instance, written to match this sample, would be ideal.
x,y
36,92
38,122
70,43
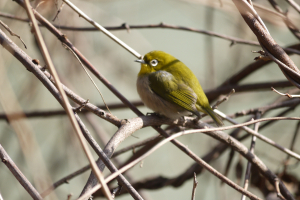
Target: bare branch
x,y
18,174
294,5
278,189
65,180
105,159
287,160
101,28
267,42
286,94
263,138
12,33
194,187
246,71
58,11
252,146
176,181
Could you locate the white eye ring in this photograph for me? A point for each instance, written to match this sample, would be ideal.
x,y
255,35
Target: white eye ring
x,y
153,63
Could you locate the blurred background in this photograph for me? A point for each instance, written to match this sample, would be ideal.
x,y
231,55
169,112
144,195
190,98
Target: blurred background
x,y
56,151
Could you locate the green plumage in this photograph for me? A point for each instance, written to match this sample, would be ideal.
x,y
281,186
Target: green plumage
x,y
174,82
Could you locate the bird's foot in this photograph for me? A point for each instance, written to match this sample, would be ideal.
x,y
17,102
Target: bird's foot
x,y
153,114
195,120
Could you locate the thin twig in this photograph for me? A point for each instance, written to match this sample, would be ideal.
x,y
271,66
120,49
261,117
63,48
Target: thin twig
x,y
286,94
263,138
291,72
150,26
294,5
252,146
234,40
65,180
135,145
46,78
59,10
229,162
286,20
223,99
286,162
12,33
101,28
253,12
66,46
53,113
248,70
211,94
194,186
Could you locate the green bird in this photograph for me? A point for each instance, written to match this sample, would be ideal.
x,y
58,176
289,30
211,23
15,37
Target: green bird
x,y
170,88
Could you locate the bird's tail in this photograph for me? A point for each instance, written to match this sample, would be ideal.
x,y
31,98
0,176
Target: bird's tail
x,y
214,116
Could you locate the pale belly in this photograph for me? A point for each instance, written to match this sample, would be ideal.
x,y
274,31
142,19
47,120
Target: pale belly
x,y
156,103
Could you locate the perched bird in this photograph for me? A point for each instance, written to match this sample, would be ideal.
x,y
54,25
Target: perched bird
x,y
170,88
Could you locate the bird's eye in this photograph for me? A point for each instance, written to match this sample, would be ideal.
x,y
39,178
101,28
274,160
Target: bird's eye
x,y
153,63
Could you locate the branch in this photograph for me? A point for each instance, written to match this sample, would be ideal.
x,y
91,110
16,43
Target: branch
x,y
105,159
286,20
225,88
159,181
263,138
18,174
252,146
150,26
294,5
46,78
267,42
246,71
12,33
211,94
53,113
216,133
103,30
195,157
194,187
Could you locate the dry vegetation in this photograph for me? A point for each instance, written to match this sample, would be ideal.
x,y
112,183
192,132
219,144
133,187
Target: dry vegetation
x,y
46,142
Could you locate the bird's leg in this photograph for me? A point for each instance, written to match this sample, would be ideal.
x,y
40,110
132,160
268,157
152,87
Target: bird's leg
x,y
198,117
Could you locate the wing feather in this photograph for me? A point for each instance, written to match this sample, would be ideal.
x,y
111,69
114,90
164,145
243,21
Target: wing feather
x,y
166,86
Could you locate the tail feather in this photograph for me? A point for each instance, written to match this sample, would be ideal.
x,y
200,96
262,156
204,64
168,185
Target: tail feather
x,y
214,116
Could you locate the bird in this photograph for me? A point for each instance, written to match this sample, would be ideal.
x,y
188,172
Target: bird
x,y
169,88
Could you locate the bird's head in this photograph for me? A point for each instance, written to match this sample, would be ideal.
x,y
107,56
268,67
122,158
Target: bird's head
x,y
155,61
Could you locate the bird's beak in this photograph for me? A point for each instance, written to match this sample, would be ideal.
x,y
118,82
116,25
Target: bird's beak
x,y
140,61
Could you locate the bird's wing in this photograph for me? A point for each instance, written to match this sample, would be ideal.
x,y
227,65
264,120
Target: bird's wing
x,y
165,85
